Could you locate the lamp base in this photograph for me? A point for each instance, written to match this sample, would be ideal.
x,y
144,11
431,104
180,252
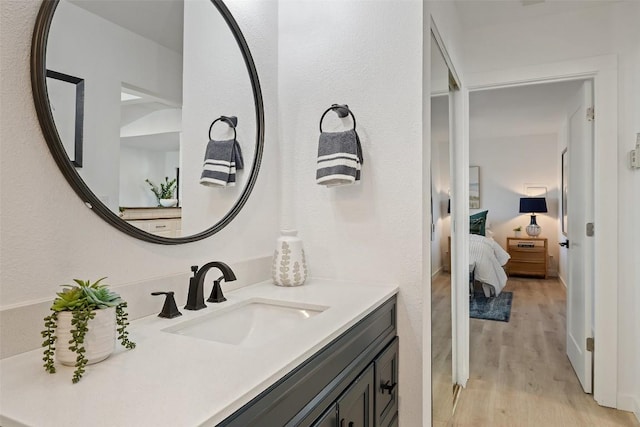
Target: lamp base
x,y
533,230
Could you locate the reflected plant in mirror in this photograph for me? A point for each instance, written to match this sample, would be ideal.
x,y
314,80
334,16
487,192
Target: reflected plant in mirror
x,y
155,75
165,191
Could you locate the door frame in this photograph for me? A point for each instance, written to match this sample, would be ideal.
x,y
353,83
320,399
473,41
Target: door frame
x,y
603,70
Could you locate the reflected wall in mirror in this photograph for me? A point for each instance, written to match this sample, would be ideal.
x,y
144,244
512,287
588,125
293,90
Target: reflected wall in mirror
x,y
441,316
156,74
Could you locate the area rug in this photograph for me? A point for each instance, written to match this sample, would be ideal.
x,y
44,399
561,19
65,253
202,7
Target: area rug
x,y
494,308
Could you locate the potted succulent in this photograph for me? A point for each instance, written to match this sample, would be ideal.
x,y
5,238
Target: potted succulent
x,y
517,230
164,194
84,318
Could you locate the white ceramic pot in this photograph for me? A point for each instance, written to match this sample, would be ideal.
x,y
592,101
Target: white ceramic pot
x,y
167,203
289,264
99,342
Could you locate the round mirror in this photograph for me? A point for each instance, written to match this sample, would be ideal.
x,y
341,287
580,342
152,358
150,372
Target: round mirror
x,y
152,111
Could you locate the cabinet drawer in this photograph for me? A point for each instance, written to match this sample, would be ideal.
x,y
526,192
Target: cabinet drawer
x,y
386,383
525,267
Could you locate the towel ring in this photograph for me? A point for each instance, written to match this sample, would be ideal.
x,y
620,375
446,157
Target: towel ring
x,y
342,111
232,121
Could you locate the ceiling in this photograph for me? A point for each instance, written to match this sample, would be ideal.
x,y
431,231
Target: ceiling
x,y
482,13
516,111
157,20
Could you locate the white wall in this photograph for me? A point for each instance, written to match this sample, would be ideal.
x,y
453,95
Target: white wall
x,y
50,237
369,56
506,165
594,31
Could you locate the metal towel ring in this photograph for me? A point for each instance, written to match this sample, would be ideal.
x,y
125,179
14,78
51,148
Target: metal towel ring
x,y
342,111
232,121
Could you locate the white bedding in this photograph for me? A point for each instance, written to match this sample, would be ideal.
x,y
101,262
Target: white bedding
x,y
488,257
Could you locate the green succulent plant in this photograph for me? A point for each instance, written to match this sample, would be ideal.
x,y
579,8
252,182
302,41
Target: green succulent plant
x,y
82,300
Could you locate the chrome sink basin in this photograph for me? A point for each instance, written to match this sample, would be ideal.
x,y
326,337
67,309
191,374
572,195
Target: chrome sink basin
x,y
251,323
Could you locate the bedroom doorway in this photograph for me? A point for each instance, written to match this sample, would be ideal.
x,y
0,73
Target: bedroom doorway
x,y
602,71
516,137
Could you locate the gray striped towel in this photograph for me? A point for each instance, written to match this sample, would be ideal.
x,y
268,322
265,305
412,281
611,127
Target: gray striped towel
x,y
221,160
339,158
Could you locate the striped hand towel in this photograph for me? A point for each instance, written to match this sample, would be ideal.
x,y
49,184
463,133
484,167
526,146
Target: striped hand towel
x,y
219,168
339,158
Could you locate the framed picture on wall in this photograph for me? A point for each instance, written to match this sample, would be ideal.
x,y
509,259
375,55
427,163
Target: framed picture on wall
x,y
66,97
564,188
474,187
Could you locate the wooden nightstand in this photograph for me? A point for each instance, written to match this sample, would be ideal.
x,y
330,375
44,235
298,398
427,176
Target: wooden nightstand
x,y
527,261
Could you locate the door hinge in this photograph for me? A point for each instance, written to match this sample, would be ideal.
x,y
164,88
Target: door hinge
x,y
591,114
590,344
590,229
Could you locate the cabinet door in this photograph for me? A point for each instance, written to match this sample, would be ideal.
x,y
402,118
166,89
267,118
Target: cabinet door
x,y
329,418
355,406
386,384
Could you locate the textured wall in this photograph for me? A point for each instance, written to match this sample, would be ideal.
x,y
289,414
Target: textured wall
x,y
50,237
369,56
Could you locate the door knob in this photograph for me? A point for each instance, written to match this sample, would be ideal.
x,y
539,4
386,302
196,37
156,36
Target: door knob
x,y
565,244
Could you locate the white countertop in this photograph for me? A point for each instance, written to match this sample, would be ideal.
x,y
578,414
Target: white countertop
x,y
173,380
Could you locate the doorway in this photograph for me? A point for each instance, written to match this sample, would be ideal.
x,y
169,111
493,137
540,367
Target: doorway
x,y
603,72
516,139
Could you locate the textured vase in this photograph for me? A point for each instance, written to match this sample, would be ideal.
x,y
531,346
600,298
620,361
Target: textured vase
x,y
289,264
99,341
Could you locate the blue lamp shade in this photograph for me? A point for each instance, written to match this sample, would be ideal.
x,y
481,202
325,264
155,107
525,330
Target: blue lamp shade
x,y
533,205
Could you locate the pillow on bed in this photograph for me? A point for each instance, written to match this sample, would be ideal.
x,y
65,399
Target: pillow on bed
x,y
478,223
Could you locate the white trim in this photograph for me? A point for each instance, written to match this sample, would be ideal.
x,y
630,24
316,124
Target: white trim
x,y
436,273
627,402
603,70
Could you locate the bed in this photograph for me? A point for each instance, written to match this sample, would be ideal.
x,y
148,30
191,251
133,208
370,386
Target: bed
x,y
487,258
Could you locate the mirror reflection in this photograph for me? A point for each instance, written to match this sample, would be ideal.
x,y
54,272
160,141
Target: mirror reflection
x,y
441,315
155,75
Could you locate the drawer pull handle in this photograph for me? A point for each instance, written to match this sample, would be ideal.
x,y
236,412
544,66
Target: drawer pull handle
x,y
161,226
388,387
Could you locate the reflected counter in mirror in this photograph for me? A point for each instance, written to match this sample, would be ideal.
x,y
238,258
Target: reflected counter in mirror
x,y
150,90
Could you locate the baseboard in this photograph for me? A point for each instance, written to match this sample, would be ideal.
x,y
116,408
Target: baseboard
x,y
435,273
629,403
21,324
562,281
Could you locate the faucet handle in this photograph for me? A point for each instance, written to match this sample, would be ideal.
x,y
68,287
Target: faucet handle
x,y
216,292
194,268
169,309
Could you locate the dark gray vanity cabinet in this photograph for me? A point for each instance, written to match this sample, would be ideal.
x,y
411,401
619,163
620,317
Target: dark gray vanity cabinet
x,y
355,407
386,381
351,382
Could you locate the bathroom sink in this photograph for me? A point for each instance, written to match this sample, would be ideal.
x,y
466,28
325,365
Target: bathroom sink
x,y
251,323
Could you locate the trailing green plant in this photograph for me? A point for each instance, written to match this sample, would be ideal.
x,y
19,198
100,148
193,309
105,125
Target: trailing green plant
x,y
82,300
166,189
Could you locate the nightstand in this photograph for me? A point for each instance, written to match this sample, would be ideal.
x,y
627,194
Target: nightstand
x,y
529,256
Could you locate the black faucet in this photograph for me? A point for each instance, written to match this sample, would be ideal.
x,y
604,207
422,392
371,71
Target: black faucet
x,y
195,298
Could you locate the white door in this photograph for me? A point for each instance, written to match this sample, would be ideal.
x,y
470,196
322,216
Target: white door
x,y
580,286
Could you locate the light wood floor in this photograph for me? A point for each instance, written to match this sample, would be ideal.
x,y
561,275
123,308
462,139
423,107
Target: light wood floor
x,y
519,372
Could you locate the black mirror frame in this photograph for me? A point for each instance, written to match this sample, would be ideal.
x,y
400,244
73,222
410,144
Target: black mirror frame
x,y
45,117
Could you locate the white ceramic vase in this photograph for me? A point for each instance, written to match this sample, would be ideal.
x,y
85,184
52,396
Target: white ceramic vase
x,y
99,341
289,264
